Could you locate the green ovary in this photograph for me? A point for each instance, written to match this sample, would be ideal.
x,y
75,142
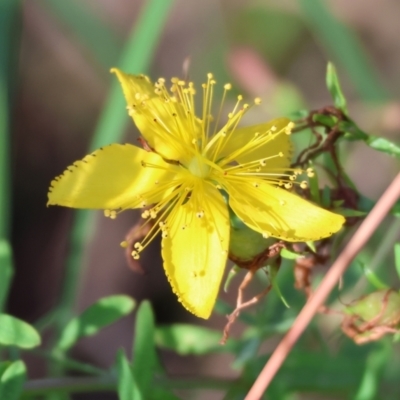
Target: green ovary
x,y
198,167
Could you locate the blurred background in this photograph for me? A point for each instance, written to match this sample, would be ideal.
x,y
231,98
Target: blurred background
x,y
58,61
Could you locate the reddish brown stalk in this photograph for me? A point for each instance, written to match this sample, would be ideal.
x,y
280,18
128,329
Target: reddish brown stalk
x,y
359,239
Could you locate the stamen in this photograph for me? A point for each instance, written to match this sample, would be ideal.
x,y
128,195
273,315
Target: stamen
x,y
310,172
303,184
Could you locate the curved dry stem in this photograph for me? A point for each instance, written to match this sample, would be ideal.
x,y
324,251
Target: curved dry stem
x,y
356,243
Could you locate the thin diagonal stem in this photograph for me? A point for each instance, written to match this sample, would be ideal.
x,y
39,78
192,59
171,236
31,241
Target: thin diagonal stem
x,y
359,239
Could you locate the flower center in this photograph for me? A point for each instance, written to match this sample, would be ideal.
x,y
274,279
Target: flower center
x,y
198,167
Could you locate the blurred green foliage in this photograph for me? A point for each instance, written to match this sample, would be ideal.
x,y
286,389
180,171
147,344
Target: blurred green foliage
x,y
319,366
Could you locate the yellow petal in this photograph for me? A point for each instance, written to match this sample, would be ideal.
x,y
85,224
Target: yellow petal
x,y
279,213
168,126
109,178
196,249
277,142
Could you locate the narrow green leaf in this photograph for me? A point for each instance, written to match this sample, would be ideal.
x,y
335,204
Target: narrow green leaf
x,y
3,366
348,212
397,258
12,381
311,245
145,359
344,47
377,360
231,274
333,84
15,332
6,271
326,120
185,339
275,285
383,145
89,30
326,197
352,131
127,388
372,278
136,58
102,313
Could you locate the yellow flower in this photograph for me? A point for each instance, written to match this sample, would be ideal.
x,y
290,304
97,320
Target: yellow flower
x,y
190,172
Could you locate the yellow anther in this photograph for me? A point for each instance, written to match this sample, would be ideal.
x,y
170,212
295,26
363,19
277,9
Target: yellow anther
x,y
145,214
257,101
263,163
153,214
113,214
227,86
124,244
280,154
135,255
138,246
209,75
310,172
288,128
107,213
288,185
303,184
200,214
273,128
265,235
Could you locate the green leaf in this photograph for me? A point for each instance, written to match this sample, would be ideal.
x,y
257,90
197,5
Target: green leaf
x,y
15,332
290,255
12,381
145,359
397,258
90,31
372,278
102,313
376,362
325,120
352,131
186,339
311,245
326,197
273,271
348,212
344,48
383,145
127,388
6,271
333,84
231,274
